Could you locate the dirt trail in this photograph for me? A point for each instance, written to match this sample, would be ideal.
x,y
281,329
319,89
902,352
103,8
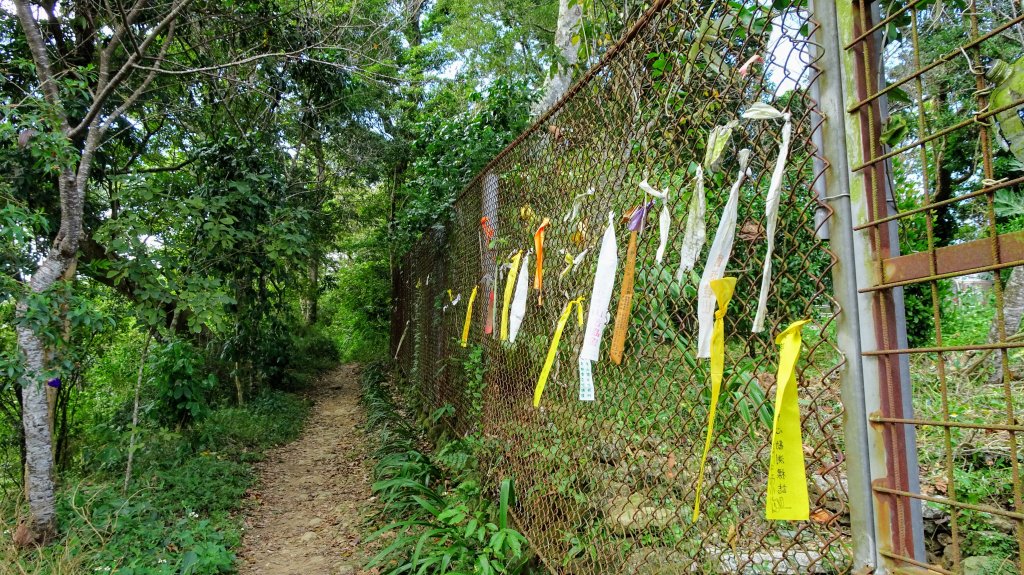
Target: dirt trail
x,y
313,494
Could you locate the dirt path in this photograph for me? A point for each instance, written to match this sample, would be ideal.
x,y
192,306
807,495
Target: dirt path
x,y
312,494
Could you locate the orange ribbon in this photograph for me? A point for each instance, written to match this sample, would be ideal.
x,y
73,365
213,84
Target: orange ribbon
x,y
485,222
538,245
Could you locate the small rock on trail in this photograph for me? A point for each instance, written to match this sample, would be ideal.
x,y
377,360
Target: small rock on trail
x,y
313,494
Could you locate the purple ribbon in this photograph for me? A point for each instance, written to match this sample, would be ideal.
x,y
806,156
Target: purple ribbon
x,y
639,216
54,383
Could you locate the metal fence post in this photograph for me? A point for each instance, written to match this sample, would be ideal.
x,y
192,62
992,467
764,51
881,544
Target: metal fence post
x,y
876,319
836,178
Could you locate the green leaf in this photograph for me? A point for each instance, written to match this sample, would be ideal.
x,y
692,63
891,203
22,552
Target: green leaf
x,y
505,499
895,131
1008,203
189,562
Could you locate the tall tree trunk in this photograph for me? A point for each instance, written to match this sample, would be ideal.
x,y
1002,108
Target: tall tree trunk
x,y
310,301
135,413
35,410
569,19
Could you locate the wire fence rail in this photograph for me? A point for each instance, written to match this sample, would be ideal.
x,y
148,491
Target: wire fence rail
x,y
699,103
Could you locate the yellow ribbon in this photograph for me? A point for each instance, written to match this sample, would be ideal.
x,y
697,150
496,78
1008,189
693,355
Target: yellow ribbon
x,y
553,350
510,286
568,267
723,289
469,318
787,478
526,213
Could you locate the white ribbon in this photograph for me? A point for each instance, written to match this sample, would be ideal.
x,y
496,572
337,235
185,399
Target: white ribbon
x,y
455,301
579,259
761,111
718,258
518,309
696,229
718,139
664,219
576,261
601,294
577,203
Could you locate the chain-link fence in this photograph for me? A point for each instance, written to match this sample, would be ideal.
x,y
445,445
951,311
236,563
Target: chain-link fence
x,y
608,486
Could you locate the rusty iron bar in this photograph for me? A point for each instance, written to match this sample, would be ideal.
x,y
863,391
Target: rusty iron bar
x,y
952,503
975,119
933,269
933,205
938,62
882,23
956,258
945,349
903,517
969,271
928,567
951,424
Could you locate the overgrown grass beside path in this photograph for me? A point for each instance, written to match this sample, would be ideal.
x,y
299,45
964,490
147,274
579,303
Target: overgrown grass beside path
x,y
180,514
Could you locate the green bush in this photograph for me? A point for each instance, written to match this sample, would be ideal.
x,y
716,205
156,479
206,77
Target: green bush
x,y
271,418
182,382
206,483
179,515
355,309
130,535
441,519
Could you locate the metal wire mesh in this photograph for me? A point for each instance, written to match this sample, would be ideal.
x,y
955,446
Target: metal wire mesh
x,y
608,486
930,110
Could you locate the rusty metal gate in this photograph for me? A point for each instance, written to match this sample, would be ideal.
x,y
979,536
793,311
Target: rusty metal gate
x,y
898,203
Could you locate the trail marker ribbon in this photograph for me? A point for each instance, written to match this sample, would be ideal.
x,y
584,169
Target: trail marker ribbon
x,y
723,289
664,218
762,111
696,227
485,223
469,318
510,285
519,299
787,476
601,293
718,258
577,203
553,350
538,246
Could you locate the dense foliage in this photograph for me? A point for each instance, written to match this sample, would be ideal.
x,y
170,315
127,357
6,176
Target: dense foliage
x,y
436,516
248,188
238,184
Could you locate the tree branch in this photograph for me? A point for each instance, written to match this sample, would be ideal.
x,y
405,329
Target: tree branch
x,y
131,99
159,169
37,46
224,65
129,66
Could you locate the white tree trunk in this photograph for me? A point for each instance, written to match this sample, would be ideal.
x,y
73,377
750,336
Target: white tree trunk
x,y
569,19
35,414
